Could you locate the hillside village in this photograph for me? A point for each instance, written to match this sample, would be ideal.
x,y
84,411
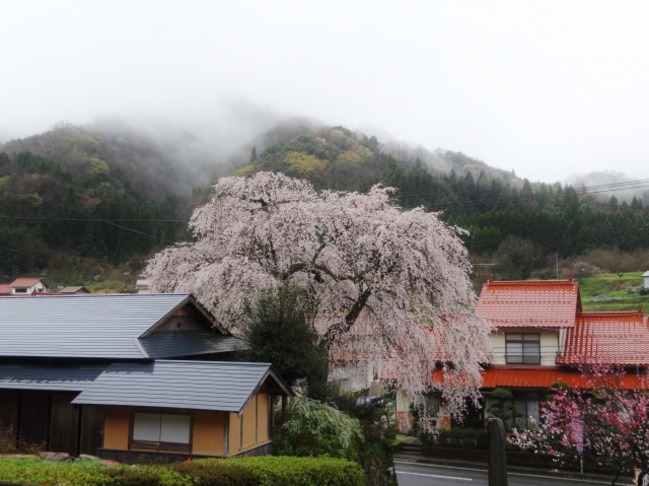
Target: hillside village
x,y
159,367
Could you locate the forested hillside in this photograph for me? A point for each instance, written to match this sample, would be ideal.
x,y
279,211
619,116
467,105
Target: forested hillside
x,y
79,193
74,200
520,226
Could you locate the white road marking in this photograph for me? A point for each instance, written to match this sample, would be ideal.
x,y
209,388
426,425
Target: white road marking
x,y
464,468
434,476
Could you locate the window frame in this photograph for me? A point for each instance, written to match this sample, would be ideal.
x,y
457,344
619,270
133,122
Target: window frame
x,y
159,445
526,355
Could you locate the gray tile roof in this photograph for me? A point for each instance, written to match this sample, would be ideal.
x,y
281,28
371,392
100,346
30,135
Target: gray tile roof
x,y
82,326
54,378
200,385
189,343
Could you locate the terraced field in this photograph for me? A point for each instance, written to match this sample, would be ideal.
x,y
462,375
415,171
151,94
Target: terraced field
x,y
613,291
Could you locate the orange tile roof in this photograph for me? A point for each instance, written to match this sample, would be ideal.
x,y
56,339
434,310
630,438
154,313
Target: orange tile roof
x,y
529,303
25,282
541,378
620,337
521,377
5,289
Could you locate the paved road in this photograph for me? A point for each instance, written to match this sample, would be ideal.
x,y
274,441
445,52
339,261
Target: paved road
x,y
417,474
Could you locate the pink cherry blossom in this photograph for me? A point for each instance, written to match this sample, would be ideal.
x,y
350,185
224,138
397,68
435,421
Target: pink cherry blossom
x,y
383,278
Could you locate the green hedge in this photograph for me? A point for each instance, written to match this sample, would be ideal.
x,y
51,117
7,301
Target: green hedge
x,y
252,471
298,471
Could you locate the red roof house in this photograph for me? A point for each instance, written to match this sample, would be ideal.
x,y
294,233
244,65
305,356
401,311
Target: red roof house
x,y
530,303
620,338
541,337
27,286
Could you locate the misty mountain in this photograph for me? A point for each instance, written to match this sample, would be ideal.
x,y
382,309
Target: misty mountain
x,y
338,147
612,184
519,224
116,191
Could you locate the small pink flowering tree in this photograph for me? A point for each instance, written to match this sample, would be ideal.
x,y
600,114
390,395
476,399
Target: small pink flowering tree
x,y
383,279
604,423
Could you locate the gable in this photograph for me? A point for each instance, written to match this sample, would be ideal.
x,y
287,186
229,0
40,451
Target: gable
x,y
533,303
91,326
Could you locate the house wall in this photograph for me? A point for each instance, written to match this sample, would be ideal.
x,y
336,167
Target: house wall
x,y
184,319
251,429
117,426
49,420
352,376
212,433
208,433
549,342
263,418
404,416
234,434
249,425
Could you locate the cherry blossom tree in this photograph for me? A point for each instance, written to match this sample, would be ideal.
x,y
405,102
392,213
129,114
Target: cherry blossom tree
x,y
389,285
603,424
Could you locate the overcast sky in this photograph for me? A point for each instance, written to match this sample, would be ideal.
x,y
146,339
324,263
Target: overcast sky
x,y
545,88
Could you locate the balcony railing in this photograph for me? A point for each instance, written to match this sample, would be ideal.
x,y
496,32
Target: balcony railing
x,y
531,359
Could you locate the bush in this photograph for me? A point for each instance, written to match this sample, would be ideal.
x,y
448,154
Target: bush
x,y
7,439
254,471
463,438
216,473
296,471
314,429
376,452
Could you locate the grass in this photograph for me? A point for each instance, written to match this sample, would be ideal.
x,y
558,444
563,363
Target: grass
x,y
612,292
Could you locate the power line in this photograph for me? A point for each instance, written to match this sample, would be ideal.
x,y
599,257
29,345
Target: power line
x,y
579,191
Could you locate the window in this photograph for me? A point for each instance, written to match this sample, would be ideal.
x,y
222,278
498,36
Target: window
x,y
526,409
161,431
523,348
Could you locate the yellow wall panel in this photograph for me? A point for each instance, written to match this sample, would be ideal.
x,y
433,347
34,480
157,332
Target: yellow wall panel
x,y
249,427
117,422
263,417
208,433
234,435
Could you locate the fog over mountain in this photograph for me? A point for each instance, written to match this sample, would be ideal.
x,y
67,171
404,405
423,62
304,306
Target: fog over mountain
x,y
541,88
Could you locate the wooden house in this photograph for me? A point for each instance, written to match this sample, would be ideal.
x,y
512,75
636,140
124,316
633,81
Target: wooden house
x,y
129,376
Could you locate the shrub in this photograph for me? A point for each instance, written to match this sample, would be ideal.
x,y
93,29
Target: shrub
x,y
7,439
314,428
254,471
296,471
216,473
375,453
463,437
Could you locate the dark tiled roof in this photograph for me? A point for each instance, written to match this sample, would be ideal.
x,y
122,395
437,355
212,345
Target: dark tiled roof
x,y
57,378
160,345
199,385
82,326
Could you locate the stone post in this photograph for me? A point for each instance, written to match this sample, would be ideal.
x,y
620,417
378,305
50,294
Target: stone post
x,y
497,460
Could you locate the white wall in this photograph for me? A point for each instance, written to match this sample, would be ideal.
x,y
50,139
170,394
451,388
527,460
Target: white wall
x,y
549,342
